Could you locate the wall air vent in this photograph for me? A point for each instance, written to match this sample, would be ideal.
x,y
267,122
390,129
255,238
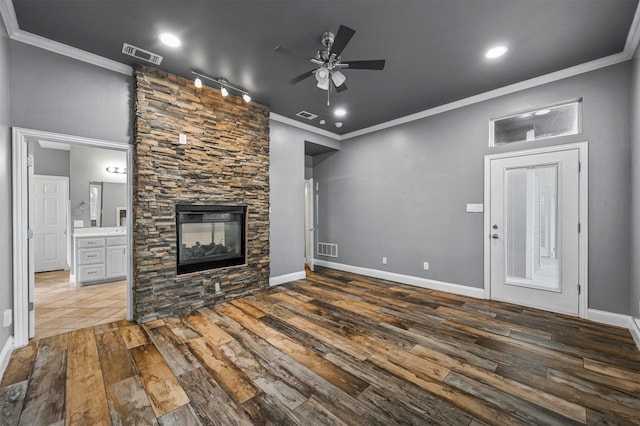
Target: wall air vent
x,y
145,55
328,249
307,115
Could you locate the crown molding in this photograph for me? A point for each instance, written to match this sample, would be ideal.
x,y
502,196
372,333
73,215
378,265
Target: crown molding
x,y
9,17
633,37
15,33
492,94
304,126
71,52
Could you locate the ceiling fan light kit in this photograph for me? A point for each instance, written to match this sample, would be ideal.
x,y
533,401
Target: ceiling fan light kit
x,y
329,62
223,83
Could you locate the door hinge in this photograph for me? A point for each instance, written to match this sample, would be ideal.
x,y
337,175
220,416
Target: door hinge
x,y
579,166
30,306
579,289
579,228
29,233
30,161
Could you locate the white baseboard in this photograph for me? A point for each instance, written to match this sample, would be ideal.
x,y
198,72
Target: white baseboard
x,y
287,278
634,328
5,355
462,290
608,318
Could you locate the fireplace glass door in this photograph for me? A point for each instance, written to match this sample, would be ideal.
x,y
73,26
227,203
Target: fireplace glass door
x,y
210,237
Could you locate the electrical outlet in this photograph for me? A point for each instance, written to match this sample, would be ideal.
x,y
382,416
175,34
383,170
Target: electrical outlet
x,y
217,287
384,260
8,317
425,265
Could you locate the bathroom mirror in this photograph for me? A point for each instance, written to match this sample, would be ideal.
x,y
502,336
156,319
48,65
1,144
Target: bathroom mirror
x,y
95,204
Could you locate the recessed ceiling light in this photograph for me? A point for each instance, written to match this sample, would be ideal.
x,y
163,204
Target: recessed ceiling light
x,y
526,114
543,112
322,121
496,52
340,112
339,124
170,40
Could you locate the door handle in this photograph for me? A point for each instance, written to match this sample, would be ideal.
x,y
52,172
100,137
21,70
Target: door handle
x,y
494,236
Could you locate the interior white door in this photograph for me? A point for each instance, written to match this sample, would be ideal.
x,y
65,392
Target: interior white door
x,y
308,222
50,198
534,233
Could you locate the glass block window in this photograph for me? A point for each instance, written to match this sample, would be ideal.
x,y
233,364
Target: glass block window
x,y
541,123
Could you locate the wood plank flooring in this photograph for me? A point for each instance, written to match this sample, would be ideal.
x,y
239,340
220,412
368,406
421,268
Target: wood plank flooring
x,y
335,348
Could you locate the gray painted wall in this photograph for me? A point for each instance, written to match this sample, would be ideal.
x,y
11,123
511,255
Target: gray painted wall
x,y
401,192
286,174
634,298
6,259
58,94
49,162
308,167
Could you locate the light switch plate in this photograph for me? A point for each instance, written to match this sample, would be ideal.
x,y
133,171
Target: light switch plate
x,y
475,208
8,317
78,223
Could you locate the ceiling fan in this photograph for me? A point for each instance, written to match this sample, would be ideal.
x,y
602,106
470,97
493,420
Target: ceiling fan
x,y
330,63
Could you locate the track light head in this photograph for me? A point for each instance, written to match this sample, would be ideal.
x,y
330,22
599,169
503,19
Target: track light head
x,y
198,83
224,91
246,97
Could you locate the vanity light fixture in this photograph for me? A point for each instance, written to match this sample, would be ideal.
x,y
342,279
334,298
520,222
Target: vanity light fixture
x,y
118,170
225,87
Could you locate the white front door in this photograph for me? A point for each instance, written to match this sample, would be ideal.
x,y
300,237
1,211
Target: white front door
x,y
50,198
308,222
534,235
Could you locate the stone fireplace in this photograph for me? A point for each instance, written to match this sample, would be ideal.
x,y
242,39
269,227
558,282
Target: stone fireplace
x,y
225,162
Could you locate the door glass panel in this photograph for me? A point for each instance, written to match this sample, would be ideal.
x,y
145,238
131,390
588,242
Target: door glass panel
x,y
531,206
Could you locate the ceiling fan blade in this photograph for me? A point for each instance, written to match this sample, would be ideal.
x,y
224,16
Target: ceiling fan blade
x,y
342,38
376,64
290,52
301,77
341,88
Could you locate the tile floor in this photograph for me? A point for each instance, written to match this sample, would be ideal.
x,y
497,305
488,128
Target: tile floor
x,y
60,307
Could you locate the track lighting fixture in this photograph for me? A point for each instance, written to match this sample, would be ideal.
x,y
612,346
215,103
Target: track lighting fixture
x,y
223,83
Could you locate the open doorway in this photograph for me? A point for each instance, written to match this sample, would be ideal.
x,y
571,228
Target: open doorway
x,y
71,236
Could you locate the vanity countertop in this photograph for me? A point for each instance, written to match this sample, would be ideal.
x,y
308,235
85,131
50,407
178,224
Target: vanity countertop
x,y
99,232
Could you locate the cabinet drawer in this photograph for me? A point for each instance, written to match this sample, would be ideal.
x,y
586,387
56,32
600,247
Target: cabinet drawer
x,y
91,272
90,242
117,241
89,256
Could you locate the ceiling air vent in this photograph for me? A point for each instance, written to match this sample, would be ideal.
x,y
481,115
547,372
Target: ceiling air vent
x,y
307,115
145,55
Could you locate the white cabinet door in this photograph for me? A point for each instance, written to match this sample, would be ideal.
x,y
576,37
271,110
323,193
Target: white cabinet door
x,y
116,261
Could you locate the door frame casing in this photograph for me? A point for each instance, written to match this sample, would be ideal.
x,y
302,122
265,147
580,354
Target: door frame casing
x,y
309,221
20,209
583,212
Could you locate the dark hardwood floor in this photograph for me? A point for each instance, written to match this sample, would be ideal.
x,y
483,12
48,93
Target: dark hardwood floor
x,y
336,348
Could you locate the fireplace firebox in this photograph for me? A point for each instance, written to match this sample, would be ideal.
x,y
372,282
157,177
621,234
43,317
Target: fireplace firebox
x,y
210,237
